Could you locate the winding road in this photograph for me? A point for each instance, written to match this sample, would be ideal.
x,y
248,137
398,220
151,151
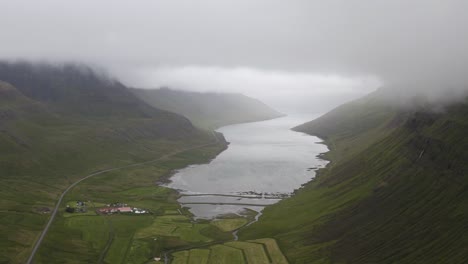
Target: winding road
x,y
57,206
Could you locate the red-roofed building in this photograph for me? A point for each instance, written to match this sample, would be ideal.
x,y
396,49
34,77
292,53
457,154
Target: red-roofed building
x,y
125,209
107,210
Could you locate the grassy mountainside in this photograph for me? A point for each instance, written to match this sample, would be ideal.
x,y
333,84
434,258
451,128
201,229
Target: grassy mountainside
x,y
394,192
75,89
208,110
58,124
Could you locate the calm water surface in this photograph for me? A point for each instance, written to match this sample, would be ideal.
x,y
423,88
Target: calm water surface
x,y
265,159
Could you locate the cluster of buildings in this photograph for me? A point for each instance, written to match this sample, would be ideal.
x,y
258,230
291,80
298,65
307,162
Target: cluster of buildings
x,y
111,210
121,208
79,207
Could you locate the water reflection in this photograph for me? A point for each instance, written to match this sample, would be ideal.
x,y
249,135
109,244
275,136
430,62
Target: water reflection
x,y
265,159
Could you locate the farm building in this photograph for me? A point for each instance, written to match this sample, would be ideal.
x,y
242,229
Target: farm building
x,y
124,209
107,210
121,209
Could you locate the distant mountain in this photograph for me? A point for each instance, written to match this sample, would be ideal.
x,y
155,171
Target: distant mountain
x,y
76,89
394,192
58,123
208,110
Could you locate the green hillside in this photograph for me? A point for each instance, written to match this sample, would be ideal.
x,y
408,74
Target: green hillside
x,y
394,192
208,110
60,123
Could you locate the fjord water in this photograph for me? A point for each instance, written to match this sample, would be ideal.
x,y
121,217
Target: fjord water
x,y
264,161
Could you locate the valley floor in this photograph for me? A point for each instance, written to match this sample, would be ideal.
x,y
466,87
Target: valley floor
x,y
166,234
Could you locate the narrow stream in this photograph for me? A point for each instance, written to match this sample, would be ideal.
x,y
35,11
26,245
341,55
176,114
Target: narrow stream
x,y
234,233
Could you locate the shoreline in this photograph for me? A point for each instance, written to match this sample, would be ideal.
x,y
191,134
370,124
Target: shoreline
x,y
165,180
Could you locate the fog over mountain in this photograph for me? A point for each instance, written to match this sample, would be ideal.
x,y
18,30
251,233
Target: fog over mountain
x,y
278,51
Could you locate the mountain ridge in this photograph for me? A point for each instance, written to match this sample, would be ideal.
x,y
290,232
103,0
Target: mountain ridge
x,y
392,193
209,110
57,125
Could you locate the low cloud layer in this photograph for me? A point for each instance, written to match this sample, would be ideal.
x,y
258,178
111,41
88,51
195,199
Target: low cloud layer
x,y
284,90
317,48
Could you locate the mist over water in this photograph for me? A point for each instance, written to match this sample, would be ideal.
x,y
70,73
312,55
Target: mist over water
x,y
264,158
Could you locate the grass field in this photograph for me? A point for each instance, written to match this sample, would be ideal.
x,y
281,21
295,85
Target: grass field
x,y
229,224
180,257
122,238
199,256
273,250
174,225
23,217
226,255
254,253
260,251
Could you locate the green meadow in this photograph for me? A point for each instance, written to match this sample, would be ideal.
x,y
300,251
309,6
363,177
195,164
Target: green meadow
x,y
60,124
128,238
229,224
261,251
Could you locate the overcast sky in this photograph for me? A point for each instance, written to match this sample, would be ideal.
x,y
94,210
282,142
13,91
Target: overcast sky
x,y
279,51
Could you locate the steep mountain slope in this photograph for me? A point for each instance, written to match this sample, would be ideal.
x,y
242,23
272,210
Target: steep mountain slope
x,y
77,90
60,123
394,192
208,110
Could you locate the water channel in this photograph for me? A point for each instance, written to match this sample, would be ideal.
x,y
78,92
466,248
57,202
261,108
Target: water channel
x,y
265,162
